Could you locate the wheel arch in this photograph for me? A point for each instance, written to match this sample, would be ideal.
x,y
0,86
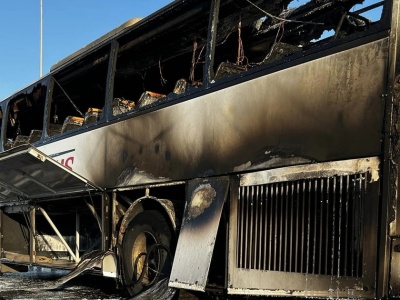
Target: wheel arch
x,y
164,206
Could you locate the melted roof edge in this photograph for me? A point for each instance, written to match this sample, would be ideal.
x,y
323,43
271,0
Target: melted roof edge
x,y
109,35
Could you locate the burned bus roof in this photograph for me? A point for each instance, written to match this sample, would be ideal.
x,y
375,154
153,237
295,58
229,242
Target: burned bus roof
x,y
132,23
177,11
109,35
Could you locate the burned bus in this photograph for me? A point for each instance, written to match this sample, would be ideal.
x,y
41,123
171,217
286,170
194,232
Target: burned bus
x,y
228,147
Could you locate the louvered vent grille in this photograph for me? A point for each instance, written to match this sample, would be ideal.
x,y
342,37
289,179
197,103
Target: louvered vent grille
x,y
311,226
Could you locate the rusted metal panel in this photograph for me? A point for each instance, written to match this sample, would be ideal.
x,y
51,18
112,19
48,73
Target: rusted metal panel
x,y
27,173
205,200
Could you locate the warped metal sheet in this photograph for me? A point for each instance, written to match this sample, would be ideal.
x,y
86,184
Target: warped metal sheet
x,y
27,173
205,200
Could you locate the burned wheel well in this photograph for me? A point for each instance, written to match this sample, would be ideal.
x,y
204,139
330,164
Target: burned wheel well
x,y
168,200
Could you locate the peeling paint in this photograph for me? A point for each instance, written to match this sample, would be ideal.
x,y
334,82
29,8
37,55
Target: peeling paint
x,y
201,199
242,167
133,175
327,169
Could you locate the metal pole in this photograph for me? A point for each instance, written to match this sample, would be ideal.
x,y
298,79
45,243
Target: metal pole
x,y
41,38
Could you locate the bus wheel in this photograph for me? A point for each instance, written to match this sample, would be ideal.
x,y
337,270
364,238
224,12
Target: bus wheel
x,y
146,258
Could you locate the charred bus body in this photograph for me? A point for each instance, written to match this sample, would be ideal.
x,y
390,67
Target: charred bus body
x,y
230,146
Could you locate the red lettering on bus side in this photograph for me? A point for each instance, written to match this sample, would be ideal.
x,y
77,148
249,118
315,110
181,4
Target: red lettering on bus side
x,y
69,162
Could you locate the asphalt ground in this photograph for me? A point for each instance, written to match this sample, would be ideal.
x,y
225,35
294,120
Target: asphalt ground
x,y
36,284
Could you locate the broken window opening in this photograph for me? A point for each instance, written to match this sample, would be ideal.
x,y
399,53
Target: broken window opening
x,y
369,9
78,95
168,62
25,115
325,35
264,33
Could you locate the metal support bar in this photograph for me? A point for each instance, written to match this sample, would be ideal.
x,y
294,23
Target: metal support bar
x,y
114,219
369,7
32,236
105,221
94,213
112,64
77,234
58,234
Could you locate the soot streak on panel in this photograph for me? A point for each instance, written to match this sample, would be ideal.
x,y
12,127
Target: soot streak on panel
x,y
198,232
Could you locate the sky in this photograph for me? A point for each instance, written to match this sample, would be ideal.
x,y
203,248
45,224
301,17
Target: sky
x,y
68,25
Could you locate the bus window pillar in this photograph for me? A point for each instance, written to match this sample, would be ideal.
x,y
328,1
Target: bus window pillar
x,y
210,50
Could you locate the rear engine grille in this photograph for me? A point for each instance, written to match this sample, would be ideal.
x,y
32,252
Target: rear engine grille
x,y
312,226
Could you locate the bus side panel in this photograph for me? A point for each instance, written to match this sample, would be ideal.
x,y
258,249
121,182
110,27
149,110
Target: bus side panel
x,y
326,109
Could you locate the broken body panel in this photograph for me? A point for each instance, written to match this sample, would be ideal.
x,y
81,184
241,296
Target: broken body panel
x,y
294,136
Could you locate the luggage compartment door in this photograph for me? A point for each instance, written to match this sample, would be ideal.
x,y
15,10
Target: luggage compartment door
x,y
27,173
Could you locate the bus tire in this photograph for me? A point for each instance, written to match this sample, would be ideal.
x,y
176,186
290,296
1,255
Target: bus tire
x,y
146,258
